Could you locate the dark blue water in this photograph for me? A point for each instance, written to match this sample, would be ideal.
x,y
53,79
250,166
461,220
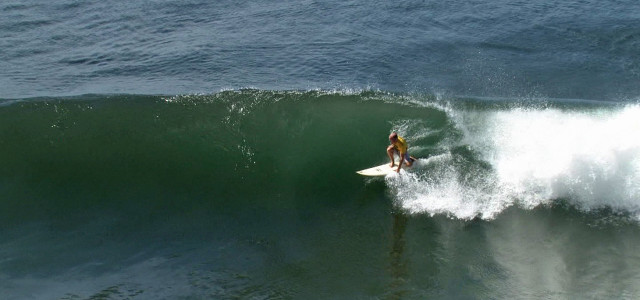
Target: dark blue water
x,y
560,49
207,149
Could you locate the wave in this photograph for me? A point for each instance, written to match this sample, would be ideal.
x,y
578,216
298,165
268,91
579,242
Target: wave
x,y
281,149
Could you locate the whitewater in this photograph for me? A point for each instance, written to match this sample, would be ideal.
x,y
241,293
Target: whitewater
x,y
589,158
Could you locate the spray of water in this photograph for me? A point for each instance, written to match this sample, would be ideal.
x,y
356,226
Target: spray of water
x,y
534,156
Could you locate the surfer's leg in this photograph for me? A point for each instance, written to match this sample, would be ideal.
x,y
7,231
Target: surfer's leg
x,y
390,150
409,159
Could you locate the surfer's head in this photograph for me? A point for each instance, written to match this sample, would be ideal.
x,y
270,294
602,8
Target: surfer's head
x,y
393,137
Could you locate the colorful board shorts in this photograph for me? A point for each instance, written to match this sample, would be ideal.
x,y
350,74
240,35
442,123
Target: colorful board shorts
x,y
407,157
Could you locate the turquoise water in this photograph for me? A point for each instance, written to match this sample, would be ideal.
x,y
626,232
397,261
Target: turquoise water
x,y
207,150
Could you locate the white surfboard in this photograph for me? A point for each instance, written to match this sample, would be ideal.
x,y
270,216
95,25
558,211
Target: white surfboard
x,y
381,170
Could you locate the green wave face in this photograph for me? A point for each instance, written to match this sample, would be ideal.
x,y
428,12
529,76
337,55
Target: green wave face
x,y
252,149
227,150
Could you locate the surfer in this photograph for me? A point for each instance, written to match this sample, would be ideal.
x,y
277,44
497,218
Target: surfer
x,y
399,145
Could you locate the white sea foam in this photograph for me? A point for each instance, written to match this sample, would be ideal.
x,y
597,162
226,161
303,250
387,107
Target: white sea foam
x,y
589,158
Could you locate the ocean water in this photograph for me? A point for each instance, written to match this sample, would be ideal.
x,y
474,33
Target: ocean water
x,y
207,150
